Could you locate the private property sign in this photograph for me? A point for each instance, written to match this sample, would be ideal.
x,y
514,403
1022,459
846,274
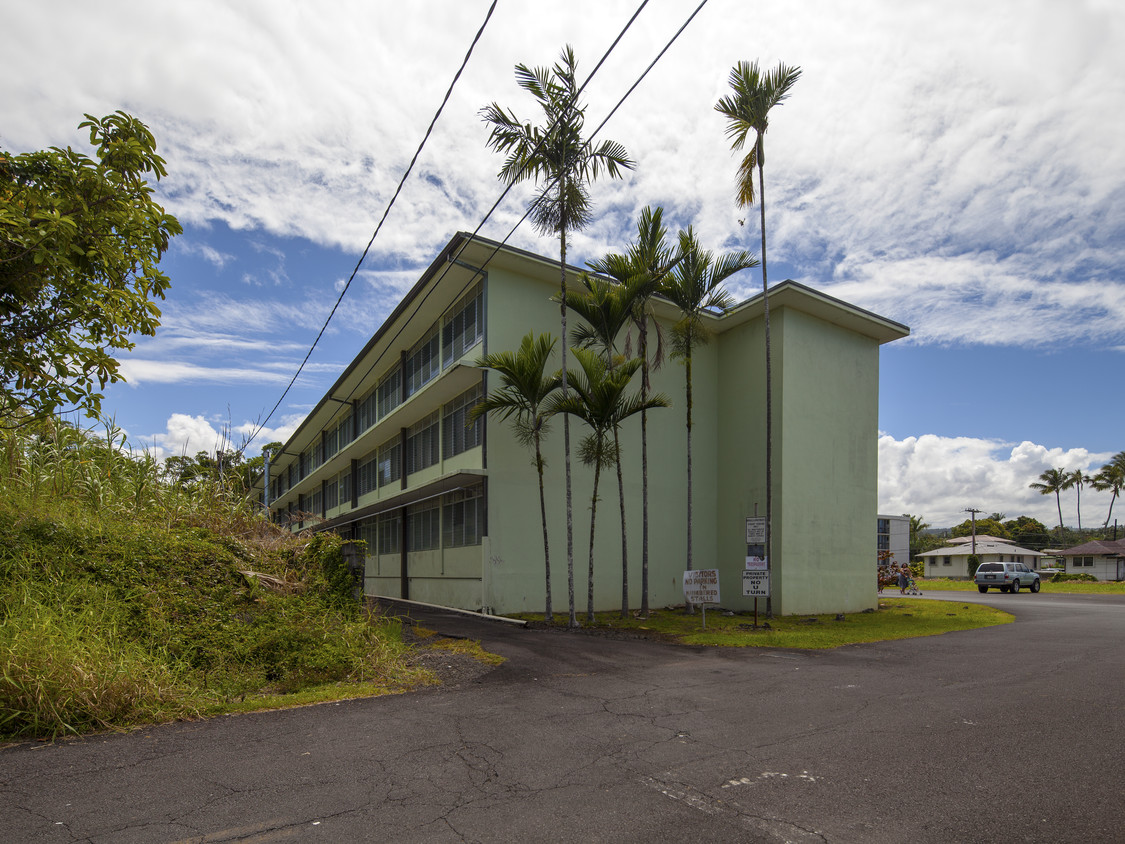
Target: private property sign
x,y
701,586
755,584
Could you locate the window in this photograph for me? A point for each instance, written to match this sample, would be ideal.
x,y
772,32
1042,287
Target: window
x,y
331,494
423,526
947,561
368,411
313,502
422,364
369,533
389,392
368,473
345,494
390,532
463,518
933,561
422,444
464,327
389,457
458,434
884,542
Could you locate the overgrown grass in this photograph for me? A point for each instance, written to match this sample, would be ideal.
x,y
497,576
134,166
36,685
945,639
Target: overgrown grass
x,y
894,619
944,584
127,600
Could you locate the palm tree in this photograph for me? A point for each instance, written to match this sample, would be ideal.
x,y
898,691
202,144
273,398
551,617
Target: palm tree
x,y
747,110
556,156
647,262
1111,478
1052,481
599,399
606,309
695,287
524,393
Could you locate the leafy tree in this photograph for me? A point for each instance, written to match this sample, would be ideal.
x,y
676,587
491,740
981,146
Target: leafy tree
x,y
1052,481
558,158
1027,532
747,110
695,287
600,400
643,268
80,241
1111,478
525,389
984,527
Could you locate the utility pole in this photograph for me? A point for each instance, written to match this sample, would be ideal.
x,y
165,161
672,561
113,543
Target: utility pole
x,y
974,512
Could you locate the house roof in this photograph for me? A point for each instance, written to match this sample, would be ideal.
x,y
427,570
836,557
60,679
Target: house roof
x,y
981,537
1107,547
995,547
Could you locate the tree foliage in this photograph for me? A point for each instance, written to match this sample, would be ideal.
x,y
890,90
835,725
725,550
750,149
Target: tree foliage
x,y
80,243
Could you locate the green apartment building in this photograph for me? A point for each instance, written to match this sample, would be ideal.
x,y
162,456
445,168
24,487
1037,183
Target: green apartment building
x,y
450,510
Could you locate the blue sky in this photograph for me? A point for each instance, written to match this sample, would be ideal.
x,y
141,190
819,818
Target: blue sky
x,y
956,167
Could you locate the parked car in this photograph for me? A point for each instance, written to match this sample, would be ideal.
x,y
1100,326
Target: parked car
x,y
1007,577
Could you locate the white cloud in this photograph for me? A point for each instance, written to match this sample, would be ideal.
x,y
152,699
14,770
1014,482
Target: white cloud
x,y
939,477
185,434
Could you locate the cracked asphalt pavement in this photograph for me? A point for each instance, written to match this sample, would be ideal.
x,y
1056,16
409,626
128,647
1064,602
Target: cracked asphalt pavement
x,y
1003,734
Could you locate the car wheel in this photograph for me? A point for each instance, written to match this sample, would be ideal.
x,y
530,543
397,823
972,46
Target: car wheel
x,y
1015,586
1034,586
982,589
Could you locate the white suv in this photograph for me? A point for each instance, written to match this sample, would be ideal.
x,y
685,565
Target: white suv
x,y
1007,577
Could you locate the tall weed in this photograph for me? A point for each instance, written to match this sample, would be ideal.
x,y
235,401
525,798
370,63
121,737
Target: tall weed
x,y
126,597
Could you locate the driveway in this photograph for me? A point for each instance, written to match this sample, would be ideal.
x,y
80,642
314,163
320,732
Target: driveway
x,y
1008,733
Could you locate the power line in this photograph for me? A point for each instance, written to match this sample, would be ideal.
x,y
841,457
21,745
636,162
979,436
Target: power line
x,y
379,226
449,264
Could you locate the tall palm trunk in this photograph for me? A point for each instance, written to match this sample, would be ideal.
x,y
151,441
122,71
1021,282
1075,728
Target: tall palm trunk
x,y
593,516
624,537
573,620
644,469
689,482
769,377
548,615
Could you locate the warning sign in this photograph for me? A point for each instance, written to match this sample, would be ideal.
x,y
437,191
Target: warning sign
x,y
756,584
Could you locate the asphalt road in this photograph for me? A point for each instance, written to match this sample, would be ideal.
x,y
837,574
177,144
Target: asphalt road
x,y
1013,733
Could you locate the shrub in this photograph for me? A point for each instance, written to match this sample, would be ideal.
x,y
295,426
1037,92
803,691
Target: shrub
x,y
1063,577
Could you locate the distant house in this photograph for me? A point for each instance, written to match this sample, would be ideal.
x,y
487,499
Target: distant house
x,y
1103,558
953,560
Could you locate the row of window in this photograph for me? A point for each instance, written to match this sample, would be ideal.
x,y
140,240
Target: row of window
x,y
455,520
444,344
447,431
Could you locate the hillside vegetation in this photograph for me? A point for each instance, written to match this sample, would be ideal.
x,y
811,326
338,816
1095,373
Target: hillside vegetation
x,y
127,599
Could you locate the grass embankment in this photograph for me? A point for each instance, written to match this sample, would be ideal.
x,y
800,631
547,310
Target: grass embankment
x,y
1073,587
894,619
127,600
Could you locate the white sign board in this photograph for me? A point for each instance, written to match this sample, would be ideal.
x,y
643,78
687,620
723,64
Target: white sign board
x,y
756,584
701,586
755,530
757,564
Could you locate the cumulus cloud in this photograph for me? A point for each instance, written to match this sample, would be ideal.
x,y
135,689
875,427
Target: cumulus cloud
x,y
186,434
939,477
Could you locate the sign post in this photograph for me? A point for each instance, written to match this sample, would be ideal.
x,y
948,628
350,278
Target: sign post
x,y
701,586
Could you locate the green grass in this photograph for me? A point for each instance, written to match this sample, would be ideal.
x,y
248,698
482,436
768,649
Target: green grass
x,y
900,618
944,584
